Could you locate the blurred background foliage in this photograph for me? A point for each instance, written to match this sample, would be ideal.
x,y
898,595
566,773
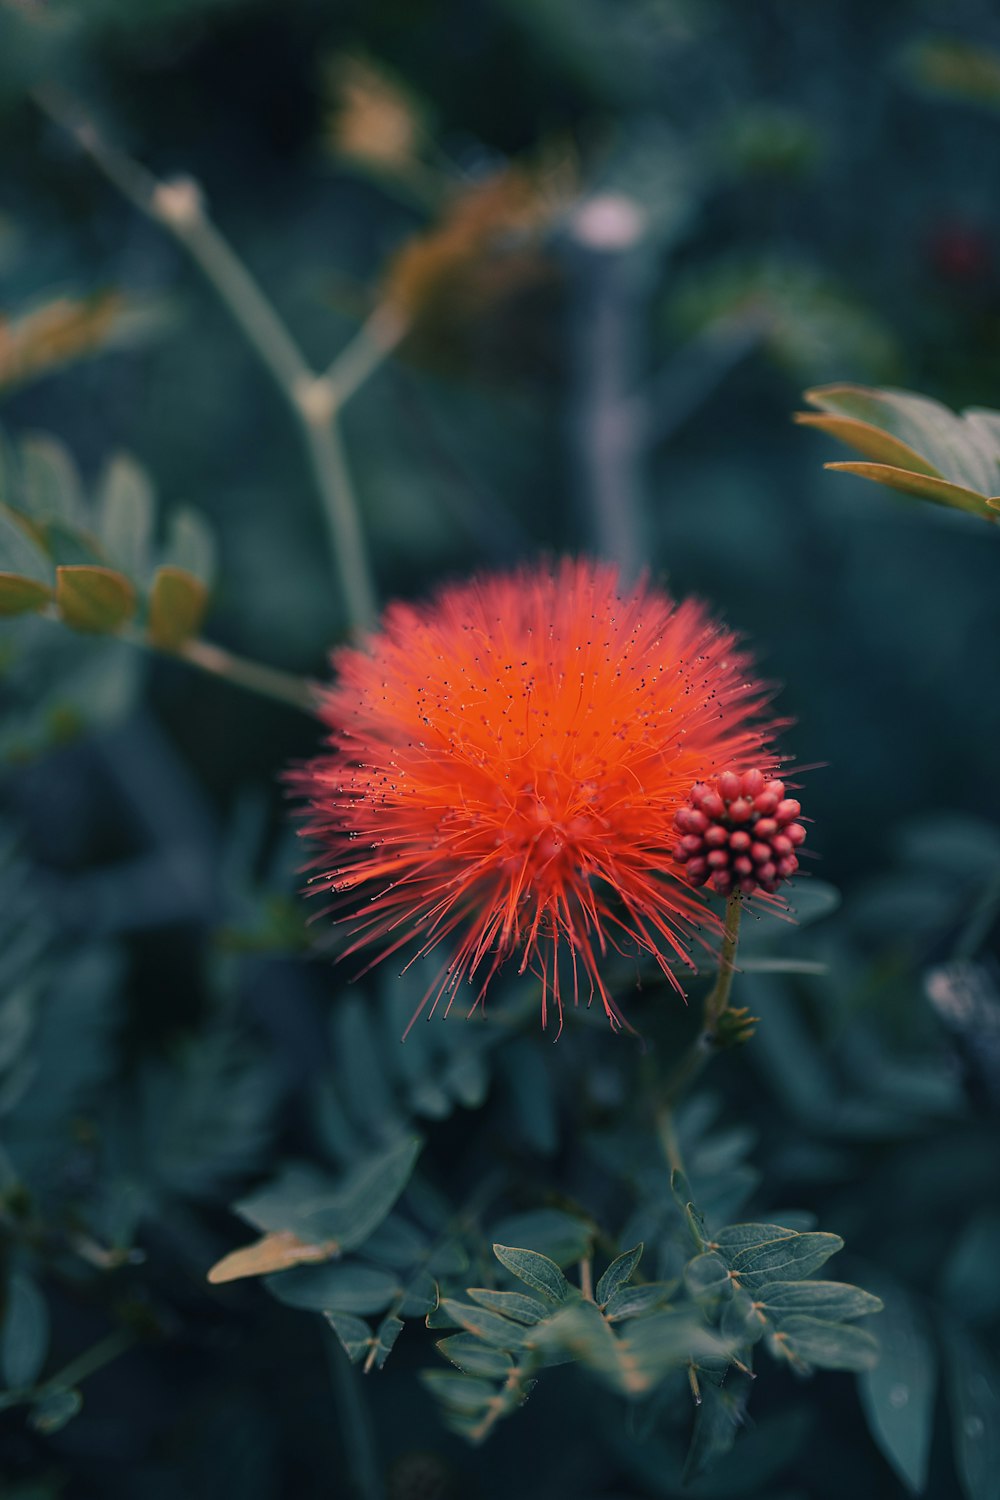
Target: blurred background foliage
x,y
687,208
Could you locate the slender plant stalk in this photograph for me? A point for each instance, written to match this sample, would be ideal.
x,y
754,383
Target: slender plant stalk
x,y
314,399
268,682
377,337
355,1423
705,1043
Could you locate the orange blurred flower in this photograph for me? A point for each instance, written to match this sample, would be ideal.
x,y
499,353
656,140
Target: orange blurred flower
x,y
505,764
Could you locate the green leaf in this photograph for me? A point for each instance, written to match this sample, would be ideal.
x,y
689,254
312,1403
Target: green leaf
x,y
563,1237
788,1258
633,1301
24,1337
50,485
474,1357
516,1305
55,1409
832,1346
353,1333
352,1288
488,1326
535,1270
20,553
974,1398
914,444
386,1334
22,596
921,486
707,1277
191,545
898,1393
343,1215
125,512
681,1190
462,1392
836,1301
718,1419
736,1238
617,1274
177,605
95,600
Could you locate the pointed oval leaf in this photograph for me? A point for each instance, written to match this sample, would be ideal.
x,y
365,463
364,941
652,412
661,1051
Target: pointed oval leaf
x,y
940,491
50,484
518,1305
279,1251
55,1408
366,1196
463,1392
352,1287
790,1259
22,596
953,447
386,1334
836,1301
634,1301
191,545
898,1394
617,1274
354,1334
831,1346
974,1398
873,442
24,1337
535,1270
707,1277
736,1238
177,606
20,553
472,1356
95,600
125,511
486,1325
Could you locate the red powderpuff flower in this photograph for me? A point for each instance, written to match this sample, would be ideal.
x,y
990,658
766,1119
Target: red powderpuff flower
x,y
505,764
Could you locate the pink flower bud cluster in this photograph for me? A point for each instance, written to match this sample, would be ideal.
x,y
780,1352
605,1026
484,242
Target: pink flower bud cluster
x,y
739,833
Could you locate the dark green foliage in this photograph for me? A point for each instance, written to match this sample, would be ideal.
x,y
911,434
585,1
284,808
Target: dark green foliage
x,y
514,1242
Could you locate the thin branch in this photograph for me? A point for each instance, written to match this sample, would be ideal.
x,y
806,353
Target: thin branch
x,y
268,682
355,1422
374,341
705,1043
695,372
178,206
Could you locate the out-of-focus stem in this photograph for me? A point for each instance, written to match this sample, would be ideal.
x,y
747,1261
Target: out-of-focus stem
x,y
609,263
355,1423
315,399
377,337
268,682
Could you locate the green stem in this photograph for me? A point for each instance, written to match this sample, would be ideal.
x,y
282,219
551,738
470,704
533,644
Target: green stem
x,y
314,399
704,1045
718,998
355,1423
374,341
268,682
92,1360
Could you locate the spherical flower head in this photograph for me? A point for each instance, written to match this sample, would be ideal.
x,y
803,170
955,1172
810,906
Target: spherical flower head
x,y
739,833
503,771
